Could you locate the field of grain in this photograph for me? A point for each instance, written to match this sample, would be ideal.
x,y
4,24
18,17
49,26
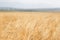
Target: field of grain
x,y
29,26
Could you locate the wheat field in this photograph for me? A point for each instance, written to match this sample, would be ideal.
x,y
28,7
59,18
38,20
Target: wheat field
x,y
29,26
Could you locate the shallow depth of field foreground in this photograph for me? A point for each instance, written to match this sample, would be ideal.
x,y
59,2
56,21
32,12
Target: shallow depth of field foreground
x,y
29,26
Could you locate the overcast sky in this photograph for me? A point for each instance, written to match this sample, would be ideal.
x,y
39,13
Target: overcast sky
x,y
29,4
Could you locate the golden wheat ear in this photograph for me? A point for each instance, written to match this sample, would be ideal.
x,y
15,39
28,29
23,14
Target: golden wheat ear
x,y
29,26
